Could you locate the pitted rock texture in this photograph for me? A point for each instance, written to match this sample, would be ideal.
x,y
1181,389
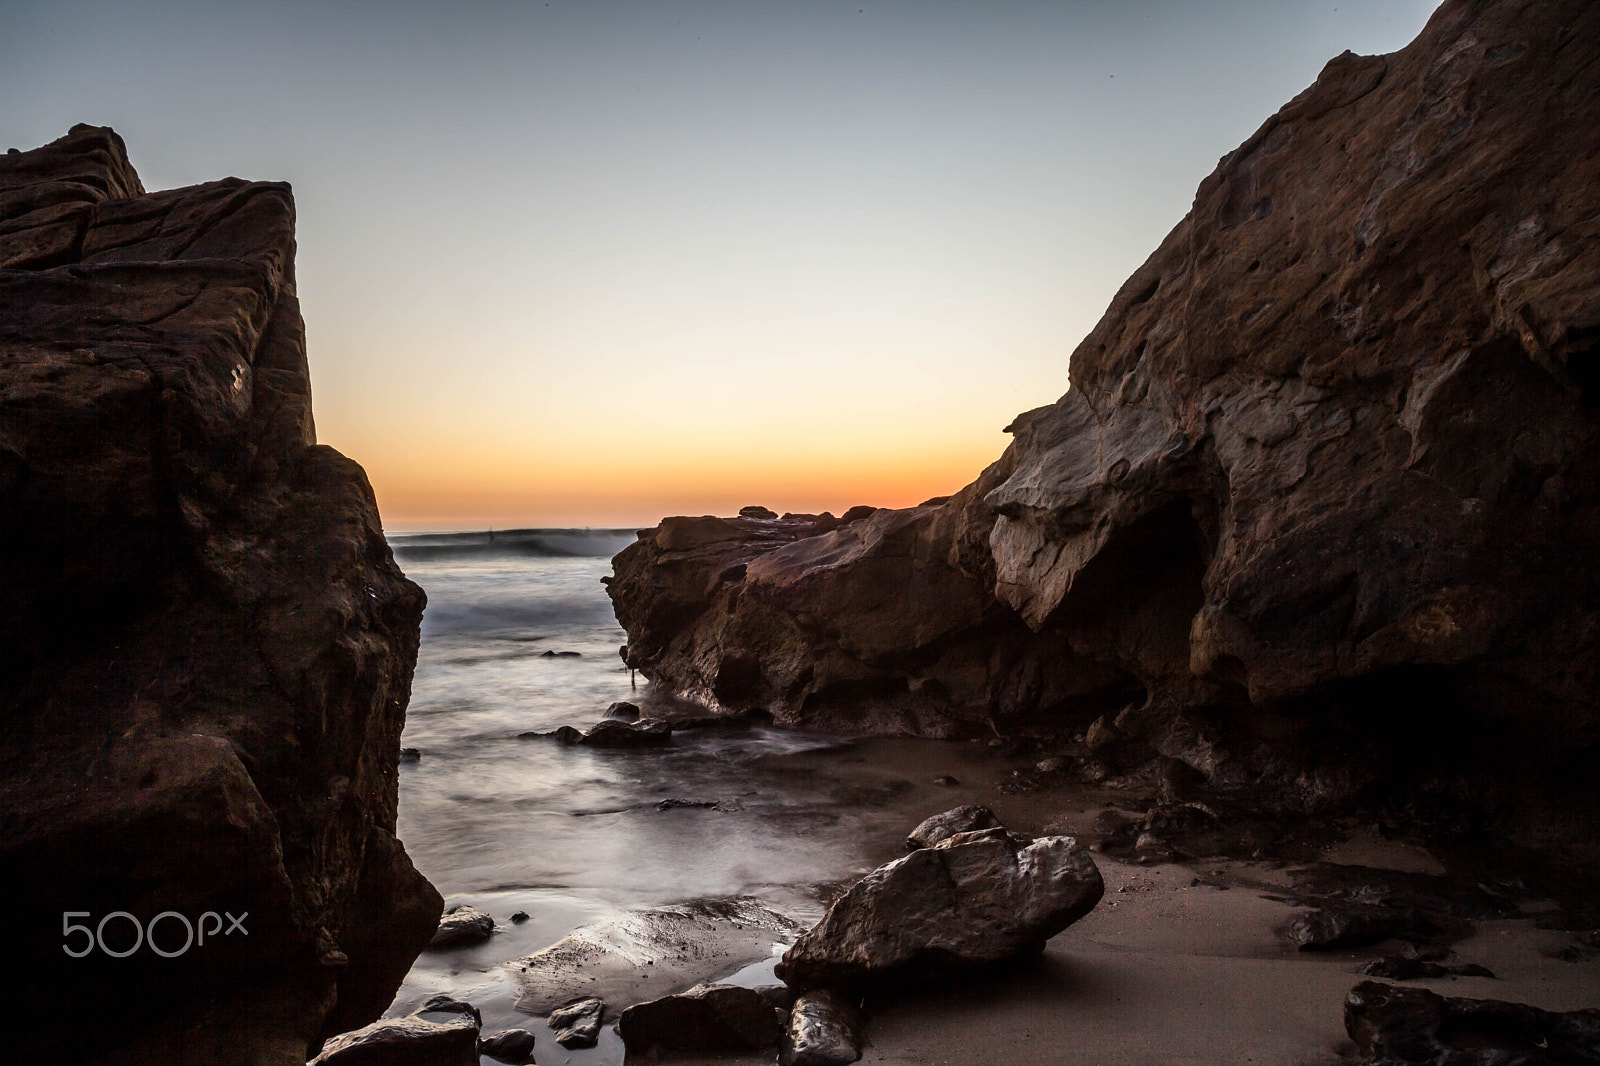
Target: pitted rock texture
x,y
1323,488
206,651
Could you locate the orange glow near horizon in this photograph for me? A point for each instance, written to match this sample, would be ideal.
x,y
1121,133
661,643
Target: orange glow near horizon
x,y
603,492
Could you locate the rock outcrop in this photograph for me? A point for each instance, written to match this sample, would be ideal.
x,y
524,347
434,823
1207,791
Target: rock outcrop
x,y
206,651
1320,505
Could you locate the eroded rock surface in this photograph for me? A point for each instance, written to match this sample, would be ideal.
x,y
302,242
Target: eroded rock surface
x,y
1319,507
647,954
441,1032
206,651
1394,1026
968,902
824,1030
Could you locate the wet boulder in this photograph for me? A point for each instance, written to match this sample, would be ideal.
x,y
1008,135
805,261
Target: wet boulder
x,y
705,1018
577,1025
461,926
967,819
611,733
824,1030
509,1045
969,902
442,1032
1400,1026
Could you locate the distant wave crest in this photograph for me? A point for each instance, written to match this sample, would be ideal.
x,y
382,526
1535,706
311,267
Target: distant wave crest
x,y
509,544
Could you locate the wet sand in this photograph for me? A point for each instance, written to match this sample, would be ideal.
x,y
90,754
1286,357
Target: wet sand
x,y
1180,962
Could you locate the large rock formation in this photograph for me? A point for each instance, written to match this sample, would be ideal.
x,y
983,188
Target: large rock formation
x,y
1320,502
206,647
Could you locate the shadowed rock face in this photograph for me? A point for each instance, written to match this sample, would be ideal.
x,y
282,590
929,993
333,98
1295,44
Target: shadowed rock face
x,y
1323,488
206,648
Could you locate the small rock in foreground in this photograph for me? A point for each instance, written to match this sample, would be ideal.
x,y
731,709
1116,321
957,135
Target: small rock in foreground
x,y
461,926
971,901
824,1030
610,733
1351,925
577,1025
1402,1026
509,1045
705,1018
448,1038
967,819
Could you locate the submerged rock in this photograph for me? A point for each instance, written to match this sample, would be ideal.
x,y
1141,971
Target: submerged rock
x,y
824,1030
206,648
1319,504
971,901
577,1025
1395,1026
610,733
939,827
462,926
705,1018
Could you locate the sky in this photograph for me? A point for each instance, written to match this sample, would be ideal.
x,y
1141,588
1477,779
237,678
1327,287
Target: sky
x,y
590,263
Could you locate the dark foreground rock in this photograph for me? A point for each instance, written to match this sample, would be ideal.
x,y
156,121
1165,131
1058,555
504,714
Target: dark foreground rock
x,y
705,1018
206,647
1395,1026
1319,507
970,902
442,1032
1356,906
824,1030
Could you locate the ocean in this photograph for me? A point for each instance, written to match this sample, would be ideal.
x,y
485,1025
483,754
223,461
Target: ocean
x,y
519,637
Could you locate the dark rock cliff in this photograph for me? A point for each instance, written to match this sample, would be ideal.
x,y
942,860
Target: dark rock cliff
x,y
1320,507
206,648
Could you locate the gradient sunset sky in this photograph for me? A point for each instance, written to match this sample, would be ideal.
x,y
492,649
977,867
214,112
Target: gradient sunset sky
x,y
591,263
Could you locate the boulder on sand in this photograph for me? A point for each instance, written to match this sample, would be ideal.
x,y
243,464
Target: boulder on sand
x,y
971,901
705,1018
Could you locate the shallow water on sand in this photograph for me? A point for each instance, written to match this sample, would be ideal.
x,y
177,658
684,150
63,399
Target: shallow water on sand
x,y
572,834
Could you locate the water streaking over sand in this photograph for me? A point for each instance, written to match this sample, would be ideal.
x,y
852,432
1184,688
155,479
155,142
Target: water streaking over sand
x,y
1166,969
572,834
